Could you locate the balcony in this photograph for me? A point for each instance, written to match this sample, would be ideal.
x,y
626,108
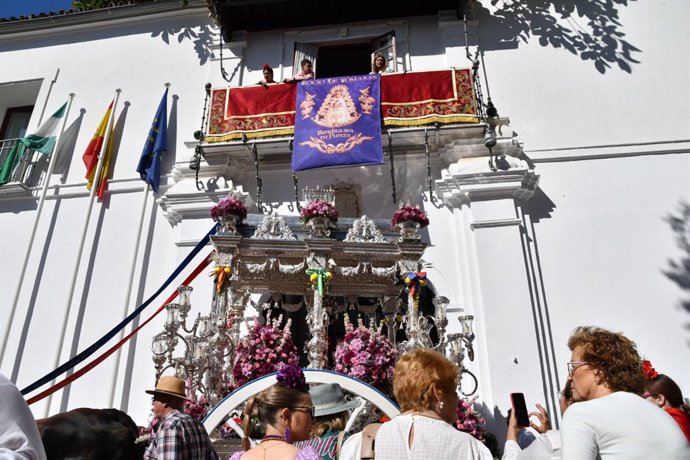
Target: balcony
x,y
437,108
19,177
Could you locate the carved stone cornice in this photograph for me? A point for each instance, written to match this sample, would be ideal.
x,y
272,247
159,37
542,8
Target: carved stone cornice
x,y
462,188
184,201
278,265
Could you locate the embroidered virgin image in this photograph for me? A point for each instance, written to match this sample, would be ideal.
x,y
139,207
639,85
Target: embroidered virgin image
x,y
339,122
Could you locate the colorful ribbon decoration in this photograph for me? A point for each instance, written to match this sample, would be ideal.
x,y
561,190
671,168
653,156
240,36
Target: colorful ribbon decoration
x,y
113,332
63,383
320,276
414,281
223,273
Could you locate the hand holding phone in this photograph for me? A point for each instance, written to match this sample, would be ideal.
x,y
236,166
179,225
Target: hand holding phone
x,y
520,409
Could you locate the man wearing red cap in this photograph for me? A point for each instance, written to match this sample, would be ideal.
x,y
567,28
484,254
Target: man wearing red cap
x,y
179,436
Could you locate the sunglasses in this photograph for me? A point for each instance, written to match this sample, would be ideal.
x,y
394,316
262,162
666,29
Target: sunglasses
x,y
310,410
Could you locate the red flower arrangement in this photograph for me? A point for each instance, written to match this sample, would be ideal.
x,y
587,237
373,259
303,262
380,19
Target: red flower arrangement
x,y
229,207
648,370
318,208
410,213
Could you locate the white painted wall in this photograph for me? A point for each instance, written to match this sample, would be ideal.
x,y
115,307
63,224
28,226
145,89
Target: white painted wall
x,y
602,249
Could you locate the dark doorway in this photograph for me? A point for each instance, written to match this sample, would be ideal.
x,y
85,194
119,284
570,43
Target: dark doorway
x,y
342,60
15,122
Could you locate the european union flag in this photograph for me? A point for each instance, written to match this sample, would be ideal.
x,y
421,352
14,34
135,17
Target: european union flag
x,y
149,166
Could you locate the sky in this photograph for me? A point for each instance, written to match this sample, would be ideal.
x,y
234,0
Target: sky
x,y
9,8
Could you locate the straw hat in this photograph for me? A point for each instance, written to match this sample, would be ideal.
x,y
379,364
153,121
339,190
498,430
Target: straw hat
x,y
329,398
171,386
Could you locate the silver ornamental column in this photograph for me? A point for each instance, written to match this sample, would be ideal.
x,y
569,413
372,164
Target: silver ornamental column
x,y
317,347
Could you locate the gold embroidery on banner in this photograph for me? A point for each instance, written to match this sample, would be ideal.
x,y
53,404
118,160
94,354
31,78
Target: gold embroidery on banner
x,y
338,109
307,105
366,100
259,115
343,147
417,102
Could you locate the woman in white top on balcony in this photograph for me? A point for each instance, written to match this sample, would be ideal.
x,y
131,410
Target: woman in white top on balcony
x,y
424,383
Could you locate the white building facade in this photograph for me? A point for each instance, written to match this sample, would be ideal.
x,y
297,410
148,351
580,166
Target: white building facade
x,y
573,230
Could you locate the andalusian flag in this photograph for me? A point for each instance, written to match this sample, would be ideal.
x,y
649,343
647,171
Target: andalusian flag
x,y
43,141
149,167
90,156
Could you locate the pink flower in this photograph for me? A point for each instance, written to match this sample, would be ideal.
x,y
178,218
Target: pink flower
x,y
410,213
367,355
318,208
229,206
263,351
469,420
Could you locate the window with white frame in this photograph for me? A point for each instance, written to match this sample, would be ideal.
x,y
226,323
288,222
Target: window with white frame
x,y
348,57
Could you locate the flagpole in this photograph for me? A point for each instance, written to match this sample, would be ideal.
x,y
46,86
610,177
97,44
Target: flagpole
x,y
132,268
92,196
39,209
114,383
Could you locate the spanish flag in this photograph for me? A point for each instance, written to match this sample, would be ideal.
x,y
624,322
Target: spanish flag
x,y
90,156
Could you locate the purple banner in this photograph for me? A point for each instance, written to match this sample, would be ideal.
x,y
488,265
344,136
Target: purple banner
x,y
337,122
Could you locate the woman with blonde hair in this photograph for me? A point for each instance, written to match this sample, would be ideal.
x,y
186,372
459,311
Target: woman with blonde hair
x,y
378,64
610,420
284,412
424,384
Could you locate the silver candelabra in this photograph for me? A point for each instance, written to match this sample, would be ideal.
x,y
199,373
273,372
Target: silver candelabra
x,y
207,344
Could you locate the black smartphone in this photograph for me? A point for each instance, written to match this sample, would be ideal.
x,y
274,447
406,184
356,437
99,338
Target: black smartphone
x,y
520,409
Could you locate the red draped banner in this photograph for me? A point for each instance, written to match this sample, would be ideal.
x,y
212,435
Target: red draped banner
x,y
407,99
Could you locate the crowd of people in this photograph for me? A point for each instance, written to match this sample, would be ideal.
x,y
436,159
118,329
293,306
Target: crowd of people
x,y
614,406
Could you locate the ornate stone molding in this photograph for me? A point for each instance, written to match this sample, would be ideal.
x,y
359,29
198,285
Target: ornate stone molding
x,y
184,201
364,230
463,188
274,227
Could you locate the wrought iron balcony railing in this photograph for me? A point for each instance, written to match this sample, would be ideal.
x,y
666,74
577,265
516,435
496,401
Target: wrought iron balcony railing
x,y
22,168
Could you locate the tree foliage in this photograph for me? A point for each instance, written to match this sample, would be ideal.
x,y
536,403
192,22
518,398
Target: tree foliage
x,y
96,4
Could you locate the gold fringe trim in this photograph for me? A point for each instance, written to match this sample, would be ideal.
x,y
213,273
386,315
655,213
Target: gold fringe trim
x,y
237,135
433,119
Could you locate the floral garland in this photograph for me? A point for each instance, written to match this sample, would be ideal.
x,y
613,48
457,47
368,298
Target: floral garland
x,y
318,208
263,351
410,213
366,354
469,420
229,207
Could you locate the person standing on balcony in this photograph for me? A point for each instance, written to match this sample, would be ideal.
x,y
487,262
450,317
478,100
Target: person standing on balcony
x,y
379,64
305,74
268,77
